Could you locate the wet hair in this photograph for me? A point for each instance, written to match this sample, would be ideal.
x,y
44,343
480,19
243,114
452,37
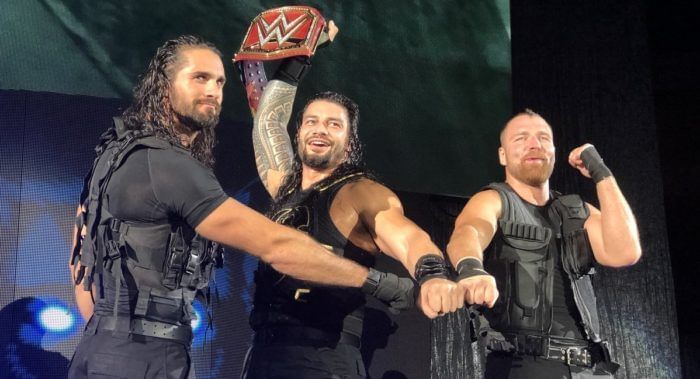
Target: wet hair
x,y
353,163
151,108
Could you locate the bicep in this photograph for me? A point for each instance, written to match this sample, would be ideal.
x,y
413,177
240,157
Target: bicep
x,y
594,230
478,219
381,212
238,226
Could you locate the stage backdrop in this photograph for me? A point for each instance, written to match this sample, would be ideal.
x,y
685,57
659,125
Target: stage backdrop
x,y
431,80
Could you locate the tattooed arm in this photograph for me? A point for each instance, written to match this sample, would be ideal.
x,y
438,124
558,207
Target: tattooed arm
x,y
271,142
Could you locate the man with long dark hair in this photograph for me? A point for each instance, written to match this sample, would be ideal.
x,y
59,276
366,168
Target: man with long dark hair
x,y
150,212
308,331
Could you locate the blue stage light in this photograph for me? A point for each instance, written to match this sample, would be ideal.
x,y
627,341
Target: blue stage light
x,y
55,318
198,319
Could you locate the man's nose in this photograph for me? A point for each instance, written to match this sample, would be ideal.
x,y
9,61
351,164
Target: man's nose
x,y
319,128
213,89
533,143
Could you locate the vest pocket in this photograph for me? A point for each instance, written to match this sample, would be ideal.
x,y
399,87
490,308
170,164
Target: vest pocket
x,y
578,254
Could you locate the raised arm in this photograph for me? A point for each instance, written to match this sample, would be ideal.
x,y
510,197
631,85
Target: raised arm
x,y
612,230
271,142
474,229
285,249
381,212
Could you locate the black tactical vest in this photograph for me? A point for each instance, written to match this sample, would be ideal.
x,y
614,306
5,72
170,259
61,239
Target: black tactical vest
x,y
163,266
518,257
284,301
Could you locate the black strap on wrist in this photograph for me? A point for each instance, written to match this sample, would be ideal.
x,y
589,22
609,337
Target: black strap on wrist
x,y
470,266
371,283
594,164
430,266
292,70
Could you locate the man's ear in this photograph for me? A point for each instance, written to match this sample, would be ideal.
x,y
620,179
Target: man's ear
x,y
502,156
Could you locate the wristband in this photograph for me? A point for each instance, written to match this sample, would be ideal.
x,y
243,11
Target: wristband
x,y
594,164
468,267
430,266
292,70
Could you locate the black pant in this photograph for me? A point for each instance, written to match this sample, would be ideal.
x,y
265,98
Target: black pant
x,y
303,362
103,353
504,365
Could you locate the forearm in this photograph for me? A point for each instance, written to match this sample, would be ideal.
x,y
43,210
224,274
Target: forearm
x,y
298,255
464,243
618,226
271,142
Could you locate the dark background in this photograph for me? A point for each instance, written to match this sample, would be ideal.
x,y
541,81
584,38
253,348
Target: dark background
x,y
622,75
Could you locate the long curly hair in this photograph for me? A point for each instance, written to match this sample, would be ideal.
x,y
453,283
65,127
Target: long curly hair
x,y
353,163
151,109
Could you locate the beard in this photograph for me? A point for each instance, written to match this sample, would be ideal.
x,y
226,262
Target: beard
x,y
330,159
196,120
533,174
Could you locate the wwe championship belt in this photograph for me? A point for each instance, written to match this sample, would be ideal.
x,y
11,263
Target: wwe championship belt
x,y
276,34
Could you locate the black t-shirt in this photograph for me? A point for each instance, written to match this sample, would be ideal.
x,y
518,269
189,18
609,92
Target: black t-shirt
x,y
566,321
157,186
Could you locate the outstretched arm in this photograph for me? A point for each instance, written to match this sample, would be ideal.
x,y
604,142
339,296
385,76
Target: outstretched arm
x,y
271,142
612,230
285,249
474,229
381,213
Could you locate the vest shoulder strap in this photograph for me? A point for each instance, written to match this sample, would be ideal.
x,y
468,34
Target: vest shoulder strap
x,y
516,221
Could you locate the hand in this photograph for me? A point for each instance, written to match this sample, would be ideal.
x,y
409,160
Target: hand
x,y
439,296
576,161
480,290
332,30
395,292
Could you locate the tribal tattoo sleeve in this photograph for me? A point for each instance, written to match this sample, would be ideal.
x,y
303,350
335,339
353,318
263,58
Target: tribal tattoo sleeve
x,y
271,142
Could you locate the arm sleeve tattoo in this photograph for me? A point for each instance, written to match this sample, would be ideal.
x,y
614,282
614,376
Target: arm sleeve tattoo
x,y
271,142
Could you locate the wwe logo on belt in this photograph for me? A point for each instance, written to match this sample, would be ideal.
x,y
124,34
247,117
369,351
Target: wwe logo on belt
x,y
282,32
280,29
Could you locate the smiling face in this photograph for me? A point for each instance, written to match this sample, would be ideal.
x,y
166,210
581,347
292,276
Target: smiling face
x,y
322,137
527,150
196,89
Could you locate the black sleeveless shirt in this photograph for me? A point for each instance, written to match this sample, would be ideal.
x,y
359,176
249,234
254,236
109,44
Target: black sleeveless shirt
x,y
284,301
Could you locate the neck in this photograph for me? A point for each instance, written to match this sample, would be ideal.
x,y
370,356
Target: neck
x,y
311,176
537,195
185,135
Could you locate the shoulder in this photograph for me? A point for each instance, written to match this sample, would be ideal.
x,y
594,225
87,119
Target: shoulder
x,y
487,197
366,194
483,204
366,188
174,157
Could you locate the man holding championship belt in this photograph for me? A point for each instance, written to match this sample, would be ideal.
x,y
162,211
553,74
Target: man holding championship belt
x,y
303,330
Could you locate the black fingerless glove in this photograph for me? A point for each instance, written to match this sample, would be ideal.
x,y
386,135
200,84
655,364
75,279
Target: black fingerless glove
x,y
468,267
292,70
594,164
395,292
